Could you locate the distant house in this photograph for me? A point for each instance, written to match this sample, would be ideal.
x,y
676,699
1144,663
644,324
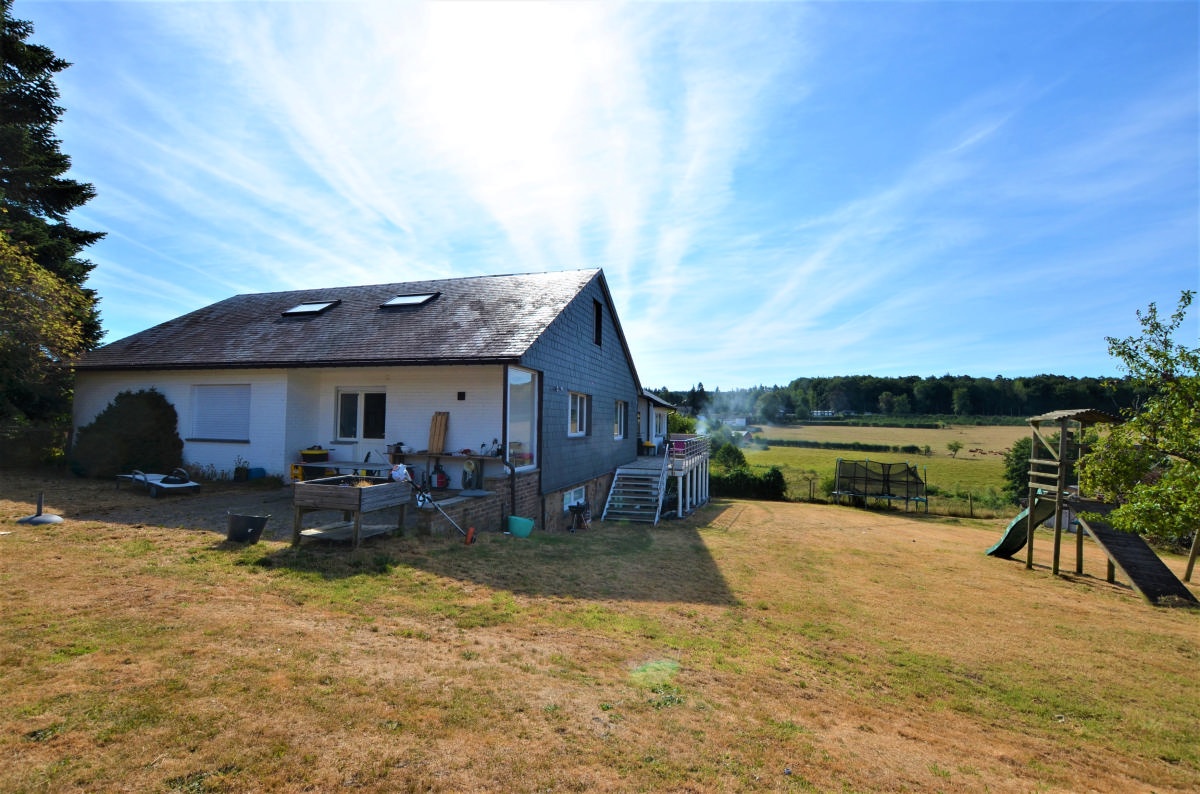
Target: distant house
x,y
533,365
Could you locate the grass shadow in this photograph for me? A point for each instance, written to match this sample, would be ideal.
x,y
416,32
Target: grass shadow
x,y
610,561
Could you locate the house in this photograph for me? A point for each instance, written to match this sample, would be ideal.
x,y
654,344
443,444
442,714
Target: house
x,y
532,371
652,421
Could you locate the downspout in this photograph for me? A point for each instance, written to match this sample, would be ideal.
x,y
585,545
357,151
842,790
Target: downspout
x,y
512,488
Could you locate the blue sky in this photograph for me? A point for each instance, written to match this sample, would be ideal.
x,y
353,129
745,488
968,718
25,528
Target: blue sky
x,y
774,190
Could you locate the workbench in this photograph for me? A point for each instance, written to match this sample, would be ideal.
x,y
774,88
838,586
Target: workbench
x,y
342,467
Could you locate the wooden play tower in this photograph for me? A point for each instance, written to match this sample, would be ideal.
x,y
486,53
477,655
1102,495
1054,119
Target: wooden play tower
x,y
1053,480
1054,494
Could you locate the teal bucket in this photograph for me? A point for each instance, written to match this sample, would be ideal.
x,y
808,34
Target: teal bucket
x,y
520,527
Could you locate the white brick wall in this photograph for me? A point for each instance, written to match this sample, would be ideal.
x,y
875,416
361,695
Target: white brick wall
x,y
291,410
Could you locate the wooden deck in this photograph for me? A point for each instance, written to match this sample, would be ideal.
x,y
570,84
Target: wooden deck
x,y
639,487
654,463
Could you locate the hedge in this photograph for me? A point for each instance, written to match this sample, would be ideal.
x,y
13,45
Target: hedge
x,y
743,484
852,446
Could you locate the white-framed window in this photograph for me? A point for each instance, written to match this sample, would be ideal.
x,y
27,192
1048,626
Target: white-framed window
x,y
361,414
521,432
574,496
620,418
221,412
578,422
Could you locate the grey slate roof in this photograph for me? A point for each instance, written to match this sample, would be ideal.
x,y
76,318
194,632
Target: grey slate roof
x,y
1086,416
654,398
473,320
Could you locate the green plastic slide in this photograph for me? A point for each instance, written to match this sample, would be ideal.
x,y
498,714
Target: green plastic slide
x,y
1014,537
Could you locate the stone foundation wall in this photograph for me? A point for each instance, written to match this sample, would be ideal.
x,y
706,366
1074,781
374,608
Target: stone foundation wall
x,y
558,519
485,513
482,512
488,513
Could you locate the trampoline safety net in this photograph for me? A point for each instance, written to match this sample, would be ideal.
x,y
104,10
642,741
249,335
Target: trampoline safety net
x,y
868,479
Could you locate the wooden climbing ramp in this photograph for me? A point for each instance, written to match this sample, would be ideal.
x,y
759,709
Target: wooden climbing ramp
x,y
1138,563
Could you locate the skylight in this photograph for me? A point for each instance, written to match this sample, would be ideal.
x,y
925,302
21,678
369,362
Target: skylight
x,y
415,299
314,307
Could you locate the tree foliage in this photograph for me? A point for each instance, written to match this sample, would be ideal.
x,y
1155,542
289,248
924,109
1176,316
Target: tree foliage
x,y
1016,469
1150,464
36,199
41,332
729,457
678,423
944,395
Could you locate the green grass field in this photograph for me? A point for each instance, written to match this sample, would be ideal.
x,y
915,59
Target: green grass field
x,y
970,481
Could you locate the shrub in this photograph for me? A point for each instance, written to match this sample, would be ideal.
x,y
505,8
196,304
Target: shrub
x,y
744,484
730,457
138,430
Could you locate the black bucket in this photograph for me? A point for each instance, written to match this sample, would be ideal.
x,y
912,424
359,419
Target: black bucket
x,y
246,529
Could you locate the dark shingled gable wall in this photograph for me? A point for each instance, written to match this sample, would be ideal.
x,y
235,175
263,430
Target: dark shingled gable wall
x,y
569,360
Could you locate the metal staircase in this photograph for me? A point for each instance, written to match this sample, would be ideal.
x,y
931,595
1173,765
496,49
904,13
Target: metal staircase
x,y
637,491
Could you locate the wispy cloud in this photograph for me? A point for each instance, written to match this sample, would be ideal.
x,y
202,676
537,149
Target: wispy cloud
x,y
763,206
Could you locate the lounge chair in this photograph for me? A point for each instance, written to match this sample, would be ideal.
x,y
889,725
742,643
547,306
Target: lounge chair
x,y
156,484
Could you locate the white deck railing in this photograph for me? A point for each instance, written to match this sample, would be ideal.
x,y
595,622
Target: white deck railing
x,y
685,451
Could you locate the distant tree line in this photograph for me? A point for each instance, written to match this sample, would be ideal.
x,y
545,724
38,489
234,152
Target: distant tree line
x,y
949,395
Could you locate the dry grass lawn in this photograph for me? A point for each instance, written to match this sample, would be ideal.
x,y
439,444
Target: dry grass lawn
x,y
977,440
755,646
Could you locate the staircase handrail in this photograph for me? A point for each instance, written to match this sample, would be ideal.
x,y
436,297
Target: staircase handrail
x,y
662,491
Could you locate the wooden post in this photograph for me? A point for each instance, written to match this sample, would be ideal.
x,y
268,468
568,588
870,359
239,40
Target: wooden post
x,y
1078,547
837,482
1187,576
1060,486
297,515
1029,525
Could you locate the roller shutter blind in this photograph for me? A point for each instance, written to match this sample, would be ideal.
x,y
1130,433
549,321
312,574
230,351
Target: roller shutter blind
x,y
221,412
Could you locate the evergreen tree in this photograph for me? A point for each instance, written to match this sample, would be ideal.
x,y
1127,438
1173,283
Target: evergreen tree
x,y
35,202
699,399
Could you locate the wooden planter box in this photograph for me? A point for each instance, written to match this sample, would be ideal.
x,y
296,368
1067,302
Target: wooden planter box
x,y
347,494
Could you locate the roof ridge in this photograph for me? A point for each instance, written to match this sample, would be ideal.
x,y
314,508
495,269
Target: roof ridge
x,y
456,279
